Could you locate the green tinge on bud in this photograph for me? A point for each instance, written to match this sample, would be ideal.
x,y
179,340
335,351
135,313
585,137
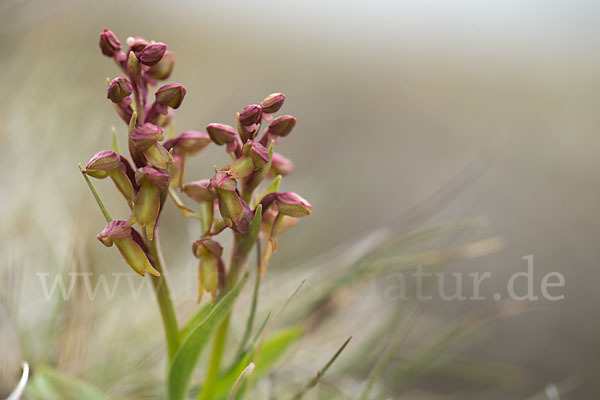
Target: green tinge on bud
x,y
240,168
108,163
235,212
118,89
120,233
147,203
157,156
109,44
152,54
170,95
199,191
133,66
164,68
146,135
272,103
282,126
211,268
293,205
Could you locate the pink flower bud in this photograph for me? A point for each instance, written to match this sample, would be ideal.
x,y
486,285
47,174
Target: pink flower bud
x,y
190,142
272,103
152,54
118,89
109,44
170,95
235,212
120,233
293,205
282,126
164,68
221,134
157,178
101,163
146,135
199,191
257,152
280,165
250,115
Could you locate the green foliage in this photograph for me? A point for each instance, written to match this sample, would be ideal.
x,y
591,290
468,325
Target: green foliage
x,y
184,362
50,384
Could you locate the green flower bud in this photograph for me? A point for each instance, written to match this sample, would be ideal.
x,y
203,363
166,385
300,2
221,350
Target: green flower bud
x,y
211,270
147,202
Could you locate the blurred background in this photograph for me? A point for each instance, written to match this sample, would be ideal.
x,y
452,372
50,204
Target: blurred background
x,y
395,101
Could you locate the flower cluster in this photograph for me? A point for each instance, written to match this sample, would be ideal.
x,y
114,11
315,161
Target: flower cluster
x,y
237,197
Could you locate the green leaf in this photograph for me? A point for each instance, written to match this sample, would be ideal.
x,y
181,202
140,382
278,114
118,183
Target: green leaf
x,y
50,384
272,351
196,319
184,362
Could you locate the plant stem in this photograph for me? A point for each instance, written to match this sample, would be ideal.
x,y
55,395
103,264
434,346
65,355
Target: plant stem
x,y
163,296
237,262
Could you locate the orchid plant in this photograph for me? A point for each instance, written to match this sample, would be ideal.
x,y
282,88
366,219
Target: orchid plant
x,y
241,197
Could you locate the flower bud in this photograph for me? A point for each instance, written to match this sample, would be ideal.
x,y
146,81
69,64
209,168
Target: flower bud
x,y
211,269
190,142
221,134
120,233
108,163
147,203
250,115
109,44
287,203
280,165
133,66
272,103
170,95
146,135
282,126
164,68
199,191
235,212
257,152
119,89
152,53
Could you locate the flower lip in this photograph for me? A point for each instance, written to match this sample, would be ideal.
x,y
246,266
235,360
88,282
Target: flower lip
x,y
221,133
109,44
152,53
272,103
156,177
250,115
199,190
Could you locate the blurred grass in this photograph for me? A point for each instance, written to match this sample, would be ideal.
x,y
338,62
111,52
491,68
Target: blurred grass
x,y
392,101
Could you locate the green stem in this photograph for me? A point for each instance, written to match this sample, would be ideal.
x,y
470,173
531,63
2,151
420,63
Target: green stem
x,y
163,296
237,262
96,196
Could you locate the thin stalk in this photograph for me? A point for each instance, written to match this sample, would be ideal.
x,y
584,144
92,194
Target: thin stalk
x,y
96,196
163,296
237,262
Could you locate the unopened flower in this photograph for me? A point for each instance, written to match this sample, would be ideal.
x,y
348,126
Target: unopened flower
x,y
282,126
163,69
108,163
145,138
211,270
152,53
280,165
147,203
272,103
224,134
200,190
109,44
235,212
250,115
121,234
118,89
170,95
288,203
